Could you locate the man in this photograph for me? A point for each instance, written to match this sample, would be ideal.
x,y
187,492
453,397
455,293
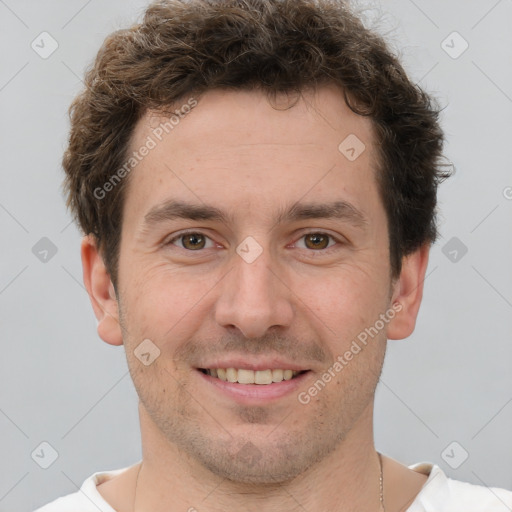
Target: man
x,y
256,181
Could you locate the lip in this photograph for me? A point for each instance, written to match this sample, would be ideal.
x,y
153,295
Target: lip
x,y
251,394
263,364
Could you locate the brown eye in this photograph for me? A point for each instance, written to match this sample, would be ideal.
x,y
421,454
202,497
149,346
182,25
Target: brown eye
x,y
316,240
193,241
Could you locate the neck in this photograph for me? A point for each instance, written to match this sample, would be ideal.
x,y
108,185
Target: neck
x,y
346,480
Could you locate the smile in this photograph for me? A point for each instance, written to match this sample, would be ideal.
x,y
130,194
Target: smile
x,y
245,376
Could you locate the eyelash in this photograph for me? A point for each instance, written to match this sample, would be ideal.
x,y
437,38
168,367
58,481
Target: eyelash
x,y
194,232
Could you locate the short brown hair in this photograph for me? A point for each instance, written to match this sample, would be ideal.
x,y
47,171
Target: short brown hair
x,y
185,47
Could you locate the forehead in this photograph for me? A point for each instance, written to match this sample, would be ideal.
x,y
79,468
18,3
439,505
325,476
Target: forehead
x,y
240,151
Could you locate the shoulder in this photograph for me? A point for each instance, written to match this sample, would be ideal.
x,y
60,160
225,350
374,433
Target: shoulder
x,y
441,493
76,502
479,497
87,498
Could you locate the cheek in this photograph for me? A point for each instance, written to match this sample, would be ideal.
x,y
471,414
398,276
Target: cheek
x,y
344,311
351,295
163,304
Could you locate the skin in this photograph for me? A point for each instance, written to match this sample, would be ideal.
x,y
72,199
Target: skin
x,y
305,304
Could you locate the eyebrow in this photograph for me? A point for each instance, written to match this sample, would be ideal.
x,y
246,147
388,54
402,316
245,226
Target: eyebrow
x,y
175,209
340,210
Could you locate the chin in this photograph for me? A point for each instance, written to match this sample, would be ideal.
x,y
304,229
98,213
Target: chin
x,y
260,462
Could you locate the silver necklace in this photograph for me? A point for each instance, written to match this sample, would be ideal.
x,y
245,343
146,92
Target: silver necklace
x,y
381,485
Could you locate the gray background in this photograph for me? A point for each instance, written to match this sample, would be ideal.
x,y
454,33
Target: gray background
x,y
449,382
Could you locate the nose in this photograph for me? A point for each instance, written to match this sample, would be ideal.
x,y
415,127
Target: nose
x,y
254,297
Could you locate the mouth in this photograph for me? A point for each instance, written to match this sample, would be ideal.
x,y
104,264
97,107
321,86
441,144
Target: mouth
x,y
246,376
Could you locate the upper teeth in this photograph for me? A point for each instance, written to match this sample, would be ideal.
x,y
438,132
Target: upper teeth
x,y
243,376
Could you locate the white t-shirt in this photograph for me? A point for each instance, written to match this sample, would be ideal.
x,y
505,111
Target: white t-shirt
x,y
438,494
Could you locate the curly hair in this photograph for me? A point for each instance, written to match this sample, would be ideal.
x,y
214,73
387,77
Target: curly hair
x,y
185,47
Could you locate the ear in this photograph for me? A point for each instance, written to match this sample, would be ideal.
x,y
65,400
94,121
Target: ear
x,y
101,292
408,292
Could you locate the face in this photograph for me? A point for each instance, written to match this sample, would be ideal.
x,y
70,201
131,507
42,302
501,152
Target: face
x,y
251,241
